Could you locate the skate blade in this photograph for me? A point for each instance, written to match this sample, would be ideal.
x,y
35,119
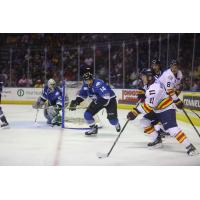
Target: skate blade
x,y
91,135
157,146
5,127
194,153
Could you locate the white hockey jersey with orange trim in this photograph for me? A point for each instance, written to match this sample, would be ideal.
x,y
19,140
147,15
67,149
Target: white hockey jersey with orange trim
x,y
156,99
171,82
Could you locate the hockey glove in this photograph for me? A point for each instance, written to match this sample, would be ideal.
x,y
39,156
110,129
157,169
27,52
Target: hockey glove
x,y
179,104
141,95
75,103
133,114
72,105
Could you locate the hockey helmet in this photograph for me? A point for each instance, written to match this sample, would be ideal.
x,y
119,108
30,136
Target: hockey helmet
x,y
51,84
155,62
87,76
148,72
174,62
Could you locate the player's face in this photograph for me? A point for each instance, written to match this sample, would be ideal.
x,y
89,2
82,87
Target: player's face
x,y
174,69
144,79
155,67
89,82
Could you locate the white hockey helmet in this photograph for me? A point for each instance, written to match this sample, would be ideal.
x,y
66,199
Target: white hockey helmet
x,y
51,84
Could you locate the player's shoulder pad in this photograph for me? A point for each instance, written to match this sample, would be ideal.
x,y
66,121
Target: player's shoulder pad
x,y
153,89
84,87
98,83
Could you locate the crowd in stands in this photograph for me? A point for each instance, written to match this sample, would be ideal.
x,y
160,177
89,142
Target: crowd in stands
x,y
24,57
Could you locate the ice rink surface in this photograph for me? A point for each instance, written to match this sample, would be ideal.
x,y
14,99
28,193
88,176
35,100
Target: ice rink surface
x,y
26,143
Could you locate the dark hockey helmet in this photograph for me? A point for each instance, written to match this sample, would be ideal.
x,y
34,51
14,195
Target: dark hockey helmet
x,y
87,76
149,73
155,61
86,73
174,62
84,69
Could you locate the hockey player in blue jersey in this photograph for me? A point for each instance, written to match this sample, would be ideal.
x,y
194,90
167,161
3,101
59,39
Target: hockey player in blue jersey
x,y
2,116
102,97
51,99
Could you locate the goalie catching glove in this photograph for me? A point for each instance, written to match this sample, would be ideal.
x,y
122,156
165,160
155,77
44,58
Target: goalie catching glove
x,y
75,103
179,104
133,114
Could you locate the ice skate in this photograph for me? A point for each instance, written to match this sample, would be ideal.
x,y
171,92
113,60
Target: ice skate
x,y
4,125
118,127
92,131
191,150
156,144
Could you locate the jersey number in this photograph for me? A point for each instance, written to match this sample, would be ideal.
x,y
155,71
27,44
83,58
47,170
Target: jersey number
x,y
103,88
151,100
168,84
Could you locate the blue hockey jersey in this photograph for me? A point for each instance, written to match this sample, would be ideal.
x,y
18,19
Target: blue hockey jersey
x,y
53,97
99,89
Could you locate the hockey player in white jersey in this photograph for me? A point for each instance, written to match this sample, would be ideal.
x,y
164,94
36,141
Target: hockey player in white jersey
x,y
157,72
171,79
159,101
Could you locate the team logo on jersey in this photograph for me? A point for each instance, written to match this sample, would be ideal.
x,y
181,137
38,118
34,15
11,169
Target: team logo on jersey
x,y
98,84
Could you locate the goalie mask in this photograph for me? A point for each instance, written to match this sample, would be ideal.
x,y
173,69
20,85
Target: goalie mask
x,y
51,84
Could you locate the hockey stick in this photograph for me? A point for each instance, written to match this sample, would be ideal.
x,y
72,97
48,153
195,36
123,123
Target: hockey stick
x,y
36,115
195,113
101,155
191,122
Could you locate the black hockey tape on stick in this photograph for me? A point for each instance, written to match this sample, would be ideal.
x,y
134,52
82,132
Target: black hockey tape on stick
x,y
191,122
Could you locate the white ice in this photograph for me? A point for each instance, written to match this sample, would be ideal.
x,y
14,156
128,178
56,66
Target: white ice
x,y
27,143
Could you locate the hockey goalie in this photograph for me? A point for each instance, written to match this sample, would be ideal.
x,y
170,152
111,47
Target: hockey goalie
x,y
51,101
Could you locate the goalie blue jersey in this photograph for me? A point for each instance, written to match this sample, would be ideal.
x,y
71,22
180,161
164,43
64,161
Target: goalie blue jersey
x,y
99,89
54,97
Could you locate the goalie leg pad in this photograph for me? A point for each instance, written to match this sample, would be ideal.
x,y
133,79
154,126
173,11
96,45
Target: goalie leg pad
x,y
50,112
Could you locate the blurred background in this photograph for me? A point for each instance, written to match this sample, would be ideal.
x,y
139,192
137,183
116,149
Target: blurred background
x,y
29,60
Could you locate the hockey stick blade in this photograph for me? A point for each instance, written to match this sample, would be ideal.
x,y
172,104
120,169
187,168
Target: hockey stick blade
x,y
102,155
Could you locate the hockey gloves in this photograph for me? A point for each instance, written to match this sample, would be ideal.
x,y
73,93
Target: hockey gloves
x,y
72,105
133,114
179,104
75,103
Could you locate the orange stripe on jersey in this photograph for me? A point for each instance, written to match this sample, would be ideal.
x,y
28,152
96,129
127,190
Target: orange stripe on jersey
x,y
149,129
180,136
146,108
164,103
